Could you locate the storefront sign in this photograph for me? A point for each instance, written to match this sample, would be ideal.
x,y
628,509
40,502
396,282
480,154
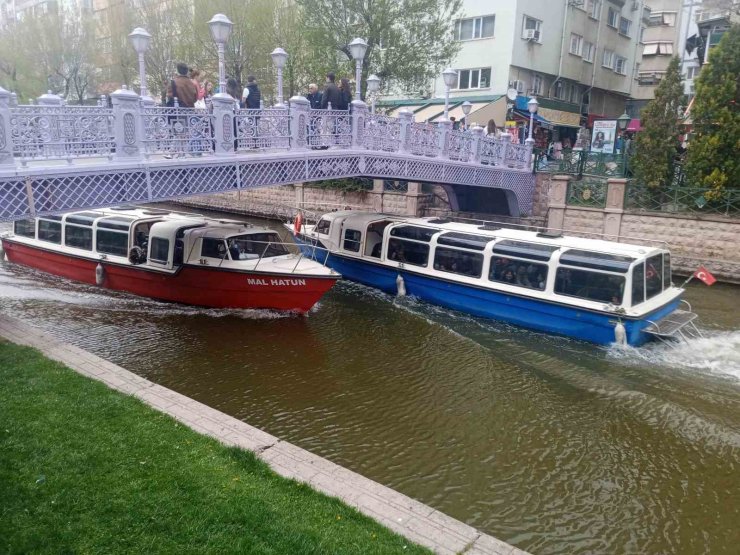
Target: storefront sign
x,y
559,117
604,135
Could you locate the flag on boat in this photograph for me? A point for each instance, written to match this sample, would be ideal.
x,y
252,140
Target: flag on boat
x,y
703,274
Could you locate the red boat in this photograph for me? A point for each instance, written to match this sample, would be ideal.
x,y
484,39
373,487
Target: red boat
x,y
171,256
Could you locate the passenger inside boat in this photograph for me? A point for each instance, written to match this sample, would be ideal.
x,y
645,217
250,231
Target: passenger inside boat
x,y
256,245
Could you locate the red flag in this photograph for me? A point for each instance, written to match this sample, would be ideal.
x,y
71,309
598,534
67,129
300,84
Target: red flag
x,y
703,274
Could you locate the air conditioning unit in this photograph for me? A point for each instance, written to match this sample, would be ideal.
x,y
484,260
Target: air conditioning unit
x,y
531,34
520,86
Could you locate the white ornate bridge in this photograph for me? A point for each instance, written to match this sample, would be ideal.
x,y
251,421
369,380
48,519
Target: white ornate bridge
x,y
55,158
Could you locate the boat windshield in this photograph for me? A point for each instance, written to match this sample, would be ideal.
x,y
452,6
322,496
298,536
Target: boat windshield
x,y
256,245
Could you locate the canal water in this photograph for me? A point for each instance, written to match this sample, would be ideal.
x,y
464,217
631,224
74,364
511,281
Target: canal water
x,y
551,444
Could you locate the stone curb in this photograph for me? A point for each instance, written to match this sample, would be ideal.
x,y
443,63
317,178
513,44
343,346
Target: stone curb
x,y
410,518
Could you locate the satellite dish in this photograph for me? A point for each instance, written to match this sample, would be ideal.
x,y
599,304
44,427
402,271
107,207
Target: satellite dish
x,y
511,94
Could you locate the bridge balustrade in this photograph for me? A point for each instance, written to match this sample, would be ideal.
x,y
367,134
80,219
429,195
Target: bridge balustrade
x,y
262,129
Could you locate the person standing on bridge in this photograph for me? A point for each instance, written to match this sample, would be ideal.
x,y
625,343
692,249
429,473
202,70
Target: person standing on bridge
x,y
314,96
331,94
182,88
251,95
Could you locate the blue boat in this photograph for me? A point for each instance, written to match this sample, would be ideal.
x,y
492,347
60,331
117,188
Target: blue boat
x,y
593,290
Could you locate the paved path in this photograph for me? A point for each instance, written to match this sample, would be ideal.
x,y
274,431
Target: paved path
x,y
408,517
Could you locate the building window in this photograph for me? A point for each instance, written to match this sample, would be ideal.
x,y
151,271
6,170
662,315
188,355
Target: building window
x,y
576,44
612,18
662,18
594,9
620,65
607,59
474,78
532,29
624,26
574,97
588,52
642,35
537,84
658,49
475,28
558,90
647,78
692,72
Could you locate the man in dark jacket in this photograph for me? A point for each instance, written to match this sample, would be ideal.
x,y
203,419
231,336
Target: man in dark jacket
x,y
254,95
182,88
314,96
331,93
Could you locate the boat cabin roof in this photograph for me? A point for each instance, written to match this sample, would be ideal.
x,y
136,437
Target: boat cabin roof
x,y
476,236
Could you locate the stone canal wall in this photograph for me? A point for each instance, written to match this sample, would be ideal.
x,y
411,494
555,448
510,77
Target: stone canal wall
x,y
694,240
405,516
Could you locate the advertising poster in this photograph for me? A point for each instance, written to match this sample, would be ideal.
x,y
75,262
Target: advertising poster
x,y
604,135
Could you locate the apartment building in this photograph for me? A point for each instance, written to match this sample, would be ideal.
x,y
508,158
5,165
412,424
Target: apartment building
x,y
15,10
578,57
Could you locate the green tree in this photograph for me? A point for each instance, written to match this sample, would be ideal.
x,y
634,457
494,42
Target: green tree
x,y
655,146
408,42
713,153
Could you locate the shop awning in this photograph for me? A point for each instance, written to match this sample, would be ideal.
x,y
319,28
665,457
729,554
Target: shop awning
x,y
428,112
457,112
553,112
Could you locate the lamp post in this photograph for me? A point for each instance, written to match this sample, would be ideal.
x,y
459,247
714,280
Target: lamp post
x,y
357,48
466,107
140,41
532,106
622,122
450,78
373,84
220,26
279,57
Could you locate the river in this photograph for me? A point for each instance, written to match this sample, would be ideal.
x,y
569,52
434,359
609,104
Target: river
x,y
550,444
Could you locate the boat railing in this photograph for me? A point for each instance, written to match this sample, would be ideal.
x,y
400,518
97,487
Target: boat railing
x,y
553,230
292,245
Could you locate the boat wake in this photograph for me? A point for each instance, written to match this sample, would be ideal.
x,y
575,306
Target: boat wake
x,y
716,354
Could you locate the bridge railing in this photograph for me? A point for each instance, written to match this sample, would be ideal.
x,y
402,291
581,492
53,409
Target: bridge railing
x,y
133,131
177,131
262,129
61,132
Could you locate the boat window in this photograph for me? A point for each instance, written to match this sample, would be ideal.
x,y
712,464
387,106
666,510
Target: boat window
x,y
323,227
667,279
653,276
111,242
518,272
597,260
115,222
256,245
78,237
458,262
638,284
25,228
160,249
213,247
352,239
374,238
465,241
520,249
594,286
50,231
413,232
408,252
83,218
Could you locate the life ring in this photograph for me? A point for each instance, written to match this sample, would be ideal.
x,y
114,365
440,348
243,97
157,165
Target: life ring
x,y
297,223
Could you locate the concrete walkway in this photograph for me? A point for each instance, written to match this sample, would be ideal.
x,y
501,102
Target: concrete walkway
x,y
414,520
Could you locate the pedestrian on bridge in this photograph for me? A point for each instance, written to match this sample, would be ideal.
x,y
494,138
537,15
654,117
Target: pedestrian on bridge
x,y
251,95
331,94
182,88
314,96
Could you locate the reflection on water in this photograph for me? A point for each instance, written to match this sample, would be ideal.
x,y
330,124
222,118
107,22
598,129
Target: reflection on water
x,y
554,445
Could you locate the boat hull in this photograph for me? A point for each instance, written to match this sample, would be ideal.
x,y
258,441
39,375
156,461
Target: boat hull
x,y
549,317
194,285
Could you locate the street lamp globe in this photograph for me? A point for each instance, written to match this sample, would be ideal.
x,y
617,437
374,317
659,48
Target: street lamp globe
x,y
450,77
279,57
532,105
466,107
373,83
622,121
140,40
357,48
220,28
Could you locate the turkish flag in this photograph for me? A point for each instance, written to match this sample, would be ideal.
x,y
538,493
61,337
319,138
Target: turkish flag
x,y
703,274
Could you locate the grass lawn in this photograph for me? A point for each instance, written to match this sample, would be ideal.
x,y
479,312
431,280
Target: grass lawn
x,y
85,469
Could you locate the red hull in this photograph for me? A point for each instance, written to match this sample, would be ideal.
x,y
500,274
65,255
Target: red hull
x,y
195,285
